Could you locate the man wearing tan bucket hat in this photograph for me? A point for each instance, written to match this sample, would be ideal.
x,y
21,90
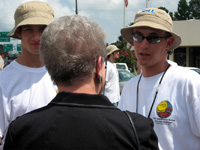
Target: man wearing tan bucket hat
x,y
169,95
25,80
111,89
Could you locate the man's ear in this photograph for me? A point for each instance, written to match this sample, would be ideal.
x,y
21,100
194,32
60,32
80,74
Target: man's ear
x,y
18,32
170,41
98,67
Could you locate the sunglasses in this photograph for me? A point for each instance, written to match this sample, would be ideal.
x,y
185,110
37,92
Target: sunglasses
x,y
153,39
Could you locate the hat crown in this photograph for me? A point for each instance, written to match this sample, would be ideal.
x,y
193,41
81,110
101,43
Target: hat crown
x,y
155,15
110,49
33,9
32,13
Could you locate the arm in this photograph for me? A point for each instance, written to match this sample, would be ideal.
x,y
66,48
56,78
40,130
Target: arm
x,y
8,141
146,134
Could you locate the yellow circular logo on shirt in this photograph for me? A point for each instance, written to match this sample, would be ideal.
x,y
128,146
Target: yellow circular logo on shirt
x,y
164,109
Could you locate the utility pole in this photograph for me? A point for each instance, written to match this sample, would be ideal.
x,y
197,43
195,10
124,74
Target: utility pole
x,y
124,14
147,3
76,8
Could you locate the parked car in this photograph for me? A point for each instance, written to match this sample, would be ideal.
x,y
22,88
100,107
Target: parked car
x,y
124,76
122,66
194,69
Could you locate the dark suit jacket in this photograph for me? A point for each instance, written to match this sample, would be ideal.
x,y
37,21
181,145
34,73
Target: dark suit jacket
x,y
79,121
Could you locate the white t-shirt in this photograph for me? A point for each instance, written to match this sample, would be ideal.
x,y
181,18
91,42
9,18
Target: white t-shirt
x,y
172,62
112,83
23,89
176,111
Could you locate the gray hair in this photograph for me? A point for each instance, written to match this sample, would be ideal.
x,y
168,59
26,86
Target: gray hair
x,y
70,47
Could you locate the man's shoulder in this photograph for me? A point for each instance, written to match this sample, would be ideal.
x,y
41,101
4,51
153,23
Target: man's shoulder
x,y
144,129
183,73
129,87
110,64
7,72
140,119
32,117
133,81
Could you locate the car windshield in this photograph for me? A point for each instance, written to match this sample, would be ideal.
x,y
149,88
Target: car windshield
x,y
120,66
125,75
197,70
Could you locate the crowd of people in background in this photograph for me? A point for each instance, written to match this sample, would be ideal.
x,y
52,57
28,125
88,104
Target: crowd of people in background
x,y
63,92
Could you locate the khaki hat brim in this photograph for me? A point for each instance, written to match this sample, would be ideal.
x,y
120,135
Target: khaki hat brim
x,y
31,21
127,32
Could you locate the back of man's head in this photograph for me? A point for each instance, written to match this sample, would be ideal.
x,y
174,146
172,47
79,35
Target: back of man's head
x,y
70,47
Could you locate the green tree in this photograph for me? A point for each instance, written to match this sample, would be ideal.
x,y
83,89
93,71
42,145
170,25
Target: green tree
x,y
126,52
163,8
127,56
170,13
183,12
194,6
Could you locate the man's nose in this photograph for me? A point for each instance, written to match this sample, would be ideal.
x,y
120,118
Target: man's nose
x,y
144,43
37,36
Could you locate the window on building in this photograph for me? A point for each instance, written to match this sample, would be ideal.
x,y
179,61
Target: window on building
x,y
180,56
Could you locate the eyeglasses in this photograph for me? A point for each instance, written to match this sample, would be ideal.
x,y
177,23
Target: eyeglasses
x,y
153,39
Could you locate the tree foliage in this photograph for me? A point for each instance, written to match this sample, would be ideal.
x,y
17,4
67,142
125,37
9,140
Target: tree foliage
x,y
126,52
194,6
163,8
127,56
170,13
183,12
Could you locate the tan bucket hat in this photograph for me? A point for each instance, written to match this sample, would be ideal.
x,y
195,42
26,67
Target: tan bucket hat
x,y
111,48
153,18
32,13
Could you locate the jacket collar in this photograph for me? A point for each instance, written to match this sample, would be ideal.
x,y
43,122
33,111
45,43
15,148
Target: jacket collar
x,y
66,98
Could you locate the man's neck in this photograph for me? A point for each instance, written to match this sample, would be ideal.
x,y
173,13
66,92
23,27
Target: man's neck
x,y
154,70
32,61
111,60
86,86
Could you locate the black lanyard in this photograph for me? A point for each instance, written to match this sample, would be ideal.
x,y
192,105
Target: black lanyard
x,y
155,93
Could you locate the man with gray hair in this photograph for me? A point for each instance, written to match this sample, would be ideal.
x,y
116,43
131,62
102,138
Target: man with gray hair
x,y
169,94
79,117
25,84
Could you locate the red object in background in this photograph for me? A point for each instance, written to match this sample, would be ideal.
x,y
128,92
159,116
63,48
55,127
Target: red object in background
x,y
126,2
3,56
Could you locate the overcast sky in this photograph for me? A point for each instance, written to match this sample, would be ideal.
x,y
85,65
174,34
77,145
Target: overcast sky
x,y
108,13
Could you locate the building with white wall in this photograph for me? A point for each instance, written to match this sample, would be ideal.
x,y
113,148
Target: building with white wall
x,y
188,54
